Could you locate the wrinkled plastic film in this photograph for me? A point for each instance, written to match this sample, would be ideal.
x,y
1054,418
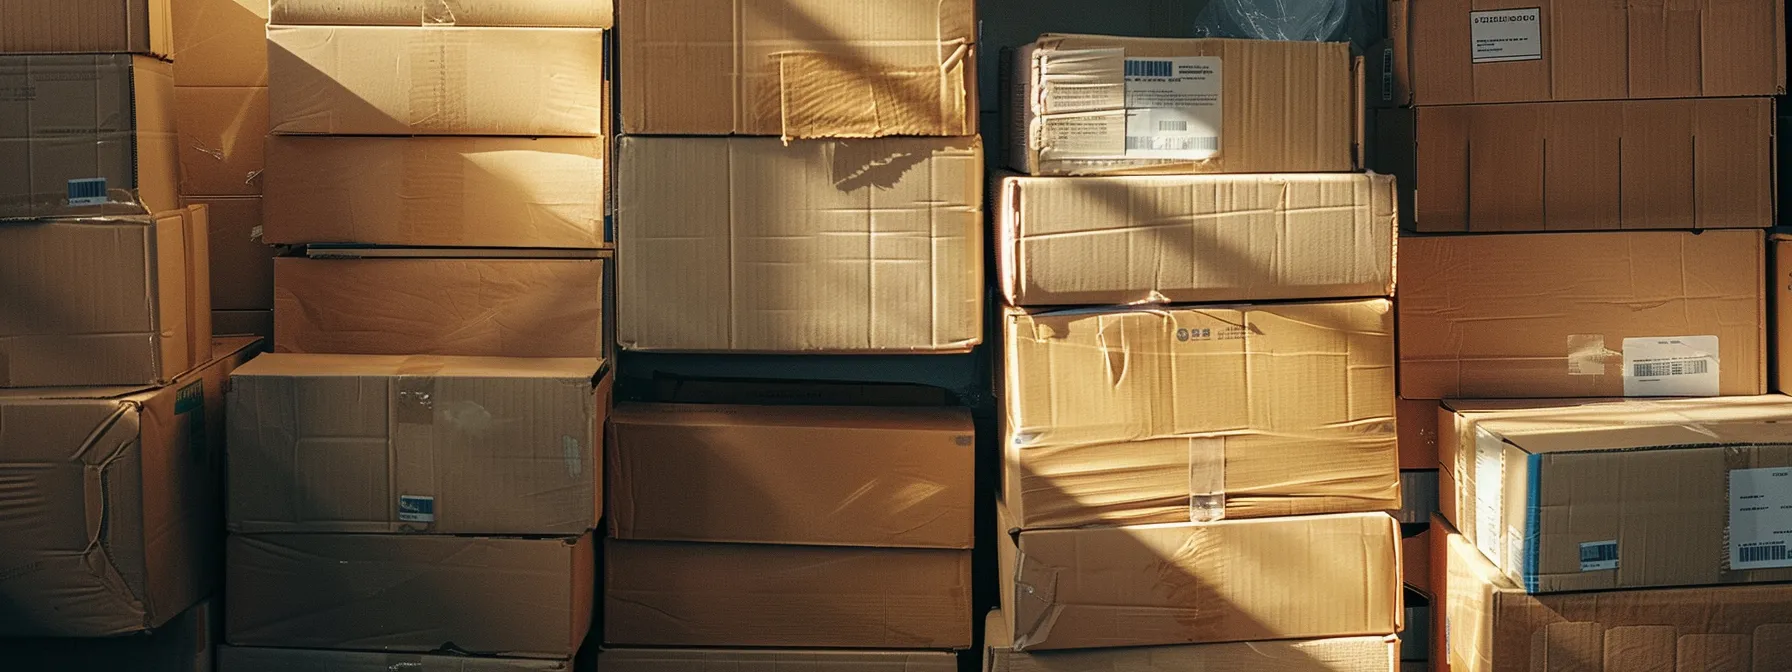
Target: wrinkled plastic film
x,y
1359,22
438,12
1036,604
1206,480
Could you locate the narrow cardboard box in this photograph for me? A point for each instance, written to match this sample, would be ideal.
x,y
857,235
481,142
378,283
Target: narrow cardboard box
x,y
1348,654
463,13
86,26
221,43
92,134
257,323
185,644
747,660
254,659
1781,282
241,265
223,139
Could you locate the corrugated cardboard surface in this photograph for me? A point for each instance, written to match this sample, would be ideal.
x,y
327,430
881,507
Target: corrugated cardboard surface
x,y
1351,654
85,26
1418,433
1647,164
798,68
1286,107
1415,556
249,659
242,267
184,644
364,80
223,136
464,13
526,598
1781,281
744,660
1547,315
258,323
899,477
221,43
448,192
1232,581
1119,240
78,117
112,505
754,245
747,595
1153,415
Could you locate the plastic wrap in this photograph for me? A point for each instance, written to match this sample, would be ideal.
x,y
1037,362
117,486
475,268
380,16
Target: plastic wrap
x,y
1359,22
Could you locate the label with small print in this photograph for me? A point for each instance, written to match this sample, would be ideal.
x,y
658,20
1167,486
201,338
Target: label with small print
x,y
1173,108
1598,555
1760,518
413,509
1507,35
1490,471
87,191
1671,366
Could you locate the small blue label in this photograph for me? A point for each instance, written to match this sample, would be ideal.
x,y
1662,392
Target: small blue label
x,y
416,509
89,191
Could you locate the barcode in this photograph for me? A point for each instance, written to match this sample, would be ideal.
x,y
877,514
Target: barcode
x,y
1767,553
87,191
1137,142
1137,68
1598,552
1676,367
1181,126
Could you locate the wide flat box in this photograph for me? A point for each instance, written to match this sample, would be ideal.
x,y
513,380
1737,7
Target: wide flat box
x,y
1098,105
1344,654
388,80
257,659
1127,416
88,134
1571,315
86,26
184,644
774,660
113,501
221,43
464,13
438,445
104,301
223,139
798,68
1196,238
507,597
749,595
1302,577
241,265
819,475
437,192
755,245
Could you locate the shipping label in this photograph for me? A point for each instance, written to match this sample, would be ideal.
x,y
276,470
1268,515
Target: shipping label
x,y
1760,518
1173,108
1671,366
1506,35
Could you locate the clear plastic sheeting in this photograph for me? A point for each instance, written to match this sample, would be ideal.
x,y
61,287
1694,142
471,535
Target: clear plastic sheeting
x,y
1359,22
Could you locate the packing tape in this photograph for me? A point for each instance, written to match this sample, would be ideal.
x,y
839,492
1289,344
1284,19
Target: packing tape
x,y
439,89
414,394
1587,354
439,12
1036,608
411,472
1206,479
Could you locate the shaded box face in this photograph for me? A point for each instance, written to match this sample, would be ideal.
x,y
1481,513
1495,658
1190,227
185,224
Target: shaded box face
x,y
1782,308
253,659
86,26
242,266
463,13
257,323
1345,654
184,644
221,43
87,135
223,139
744,660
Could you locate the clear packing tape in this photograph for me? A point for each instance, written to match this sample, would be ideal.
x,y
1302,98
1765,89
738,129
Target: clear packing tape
x,y
1359,22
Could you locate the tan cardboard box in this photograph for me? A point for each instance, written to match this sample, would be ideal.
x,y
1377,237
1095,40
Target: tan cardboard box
x,y
463,13
507,597
112,301
112,506
897,477
749,660
798,68
86,26
1197,238
1088,105
257,323
223,137
251,659
87,134
242,267
184,644
1152,415
379,80
1301,577
1346,654
1583,315
754,245
1781,282
221,43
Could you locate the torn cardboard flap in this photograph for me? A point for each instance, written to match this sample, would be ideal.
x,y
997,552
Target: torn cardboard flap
x,y
462,13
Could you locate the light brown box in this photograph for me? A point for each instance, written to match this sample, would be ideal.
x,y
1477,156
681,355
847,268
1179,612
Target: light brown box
x,y
1781,281
1303,577
1571,314
749,660
257,323
81,118
798,68
221,43
1647,164
86,26
379,80
1245,106
1350,654
241,266
113,301
461,13
111,511
895,477
223,137
754,245
437,192
184,644
1418,433
1151,415
252,659
506,597
1197,238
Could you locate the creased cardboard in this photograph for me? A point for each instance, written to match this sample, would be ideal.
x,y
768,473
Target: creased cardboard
x,y
220,43
255,659
751,660
86,26
184,644
1571,314
113,502
463,13
754,245
1347,654
241,265
223,138
89,135
1198,238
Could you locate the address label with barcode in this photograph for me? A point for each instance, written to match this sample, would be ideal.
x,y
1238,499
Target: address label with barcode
x,y
1671,366
1760,518
1173,108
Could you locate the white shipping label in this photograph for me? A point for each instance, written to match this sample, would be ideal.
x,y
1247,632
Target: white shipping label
x,y
1173,108
1507,35
1490,492
1760,518
1671,366
1598,555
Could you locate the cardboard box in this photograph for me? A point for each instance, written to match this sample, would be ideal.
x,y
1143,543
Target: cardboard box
x,y
1091,105
86,26
463,13
1415,556
1781,282
184,644
1153,415
113,301
251,659
242,267
749,660
257,323
1418,433
754,245
221,43
518,304
1569,315
223,138
897,477
367,80
437,192
1347,654
1489,623
1647,164
113,501
798,68
508,597
1198,238
1199,583
748,595
1470,52
87,135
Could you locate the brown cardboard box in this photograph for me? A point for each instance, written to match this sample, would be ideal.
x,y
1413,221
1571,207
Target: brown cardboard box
x,y
1151,415
1198,583
113,501
1347,654
524,598
368,80
113,301
1198,238
754,245
517,304
89,134
1781,285
750,660
798,68
184,644
223,136
1489,624
1087,105
751,595
257,323
1415,555
222,43
1418,433
437,192
1577,315
250,659
1459,51
1647,164
898,477
85,26
462,13
242,267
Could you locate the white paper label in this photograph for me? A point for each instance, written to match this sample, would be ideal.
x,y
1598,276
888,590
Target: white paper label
x,y
1490,469
1173,108
416,509
1760,518
1507,35
87,191
1673,366
1598,555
